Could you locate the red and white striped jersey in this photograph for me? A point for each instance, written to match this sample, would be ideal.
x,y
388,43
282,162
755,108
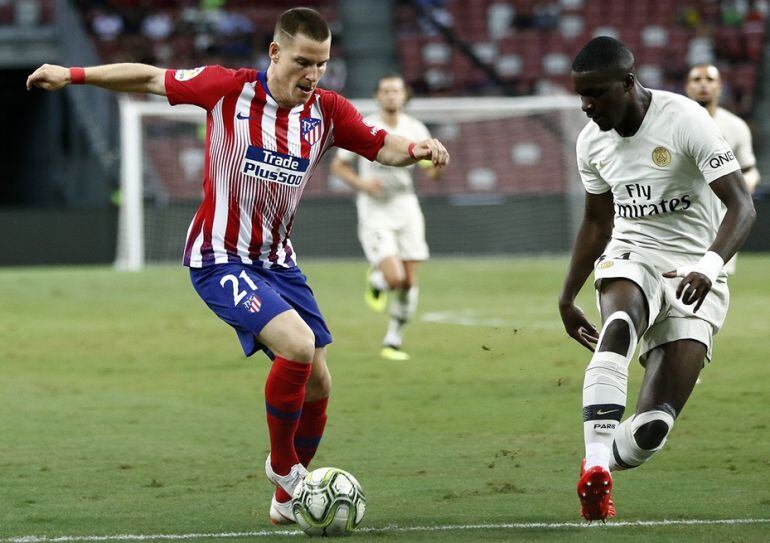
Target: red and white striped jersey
x,y
259,157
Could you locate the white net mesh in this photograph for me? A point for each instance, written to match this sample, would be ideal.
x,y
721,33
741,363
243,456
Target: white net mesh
x,y
511,186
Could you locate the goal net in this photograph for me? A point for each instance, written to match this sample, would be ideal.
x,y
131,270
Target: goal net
x,y
511,187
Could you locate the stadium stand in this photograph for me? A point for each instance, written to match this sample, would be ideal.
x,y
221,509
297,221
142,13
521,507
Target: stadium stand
x,y
530,43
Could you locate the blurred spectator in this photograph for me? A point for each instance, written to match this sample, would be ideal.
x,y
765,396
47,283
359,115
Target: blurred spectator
x,y
733,11
27,12
689,17
438,12
700,49
545,15
230,23
500,20
158,26
107,26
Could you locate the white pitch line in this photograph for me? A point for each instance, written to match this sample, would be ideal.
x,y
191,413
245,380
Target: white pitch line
x,y
389,529
467,317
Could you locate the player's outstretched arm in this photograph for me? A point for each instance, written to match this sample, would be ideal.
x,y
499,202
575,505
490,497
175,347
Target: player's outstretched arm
x,y
733,231
398,151
593,236
125,77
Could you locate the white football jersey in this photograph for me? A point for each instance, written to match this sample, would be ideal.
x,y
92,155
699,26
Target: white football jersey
x,y
394,180
738,136
659,176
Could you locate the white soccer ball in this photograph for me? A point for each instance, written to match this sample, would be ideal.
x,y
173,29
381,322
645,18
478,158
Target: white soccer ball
x,y
329,501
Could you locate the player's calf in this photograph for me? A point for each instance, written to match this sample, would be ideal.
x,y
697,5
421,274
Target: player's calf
x,y
641,436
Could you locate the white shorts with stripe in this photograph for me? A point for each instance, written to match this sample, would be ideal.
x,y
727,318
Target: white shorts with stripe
x,y
669,319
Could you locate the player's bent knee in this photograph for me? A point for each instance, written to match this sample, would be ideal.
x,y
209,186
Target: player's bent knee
x,y
300,350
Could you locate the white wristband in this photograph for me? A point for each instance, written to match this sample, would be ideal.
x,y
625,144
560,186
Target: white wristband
x,y
710,265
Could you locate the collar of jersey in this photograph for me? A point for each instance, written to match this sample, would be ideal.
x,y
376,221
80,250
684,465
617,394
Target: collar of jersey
x,y
262,76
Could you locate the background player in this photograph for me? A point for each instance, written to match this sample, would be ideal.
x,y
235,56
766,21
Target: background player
x,y
704,85
266,132
391,226
648,160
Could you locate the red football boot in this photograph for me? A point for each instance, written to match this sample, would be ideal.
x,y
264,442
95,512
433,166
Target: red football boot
x,y
594,490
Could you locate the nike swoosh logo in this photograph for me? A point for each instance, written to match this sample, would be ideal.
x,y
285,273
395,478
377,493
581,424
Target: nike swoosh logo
x,y
242,117
600,412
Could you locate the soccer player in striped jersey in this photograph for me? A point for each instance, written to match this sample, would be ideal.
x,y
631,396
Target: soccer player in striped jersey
x,y
650,162
391,226
704,85
266,132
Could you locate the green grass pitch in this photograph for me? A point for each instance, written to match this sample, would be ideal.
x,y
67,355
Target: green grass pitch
x,y
127,407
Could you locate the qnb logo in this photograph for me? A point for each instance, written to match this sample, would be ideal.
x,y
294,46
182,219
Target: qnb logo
x,y
274,167
718,160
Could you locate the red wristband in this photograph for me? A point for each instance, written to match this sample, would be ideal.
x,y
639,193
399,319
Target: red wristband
x,y
411,150
77,75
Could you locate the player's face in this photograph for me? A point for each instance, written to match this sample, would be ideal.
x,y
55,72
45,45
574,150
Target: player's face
x,y
704,85
391,94
297,67
604,97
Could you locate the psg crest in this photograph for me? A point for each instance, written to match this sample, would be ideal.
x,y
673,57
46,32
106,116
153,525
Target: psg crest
x,y
311,130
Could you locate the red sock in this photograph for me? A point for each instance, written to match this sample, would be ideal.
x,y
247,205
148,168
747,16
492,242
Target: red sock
x,y
284,395
310,430
311,427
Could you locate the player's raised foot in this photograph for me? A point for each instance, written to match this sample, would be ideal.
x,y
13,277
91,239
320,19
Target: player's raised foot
x,y
595,492
281,512
376,299
390,352
289,481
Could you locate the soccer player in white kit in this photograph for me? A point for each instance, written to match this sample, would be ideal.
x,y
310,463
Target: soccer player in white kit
x,y
704,85
391,226
649,161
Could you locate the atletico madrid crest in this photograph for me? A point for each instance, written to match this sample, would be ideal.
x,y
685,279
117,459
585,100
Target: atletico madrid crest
x,y
311,130
252,303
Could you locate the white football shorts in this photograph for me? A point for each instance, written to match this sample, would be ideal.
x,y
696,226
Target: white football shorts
x,y
669,319
395,227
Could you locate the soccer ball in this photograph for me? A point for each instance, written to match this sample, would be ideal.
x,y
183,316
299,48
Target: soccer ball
x,y
328,501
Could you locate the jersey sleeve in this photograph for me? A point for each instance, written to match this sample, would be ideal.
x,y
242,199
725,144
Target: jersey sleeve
x,y
589,175
202,86
351,131
702,140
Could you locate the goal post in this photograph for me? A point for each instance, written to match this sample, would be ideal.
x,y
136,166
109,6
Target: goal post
x,y
130,252
512,185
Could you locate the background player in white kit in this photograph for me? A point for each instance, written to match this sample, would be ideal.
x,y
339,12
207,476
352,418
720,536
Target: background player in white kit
x,y
391,226
649,161
704,85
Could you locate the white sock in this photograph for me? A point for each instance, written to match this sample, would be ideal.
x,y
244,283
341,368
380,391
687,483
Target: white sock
x,y
402,307
597,454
